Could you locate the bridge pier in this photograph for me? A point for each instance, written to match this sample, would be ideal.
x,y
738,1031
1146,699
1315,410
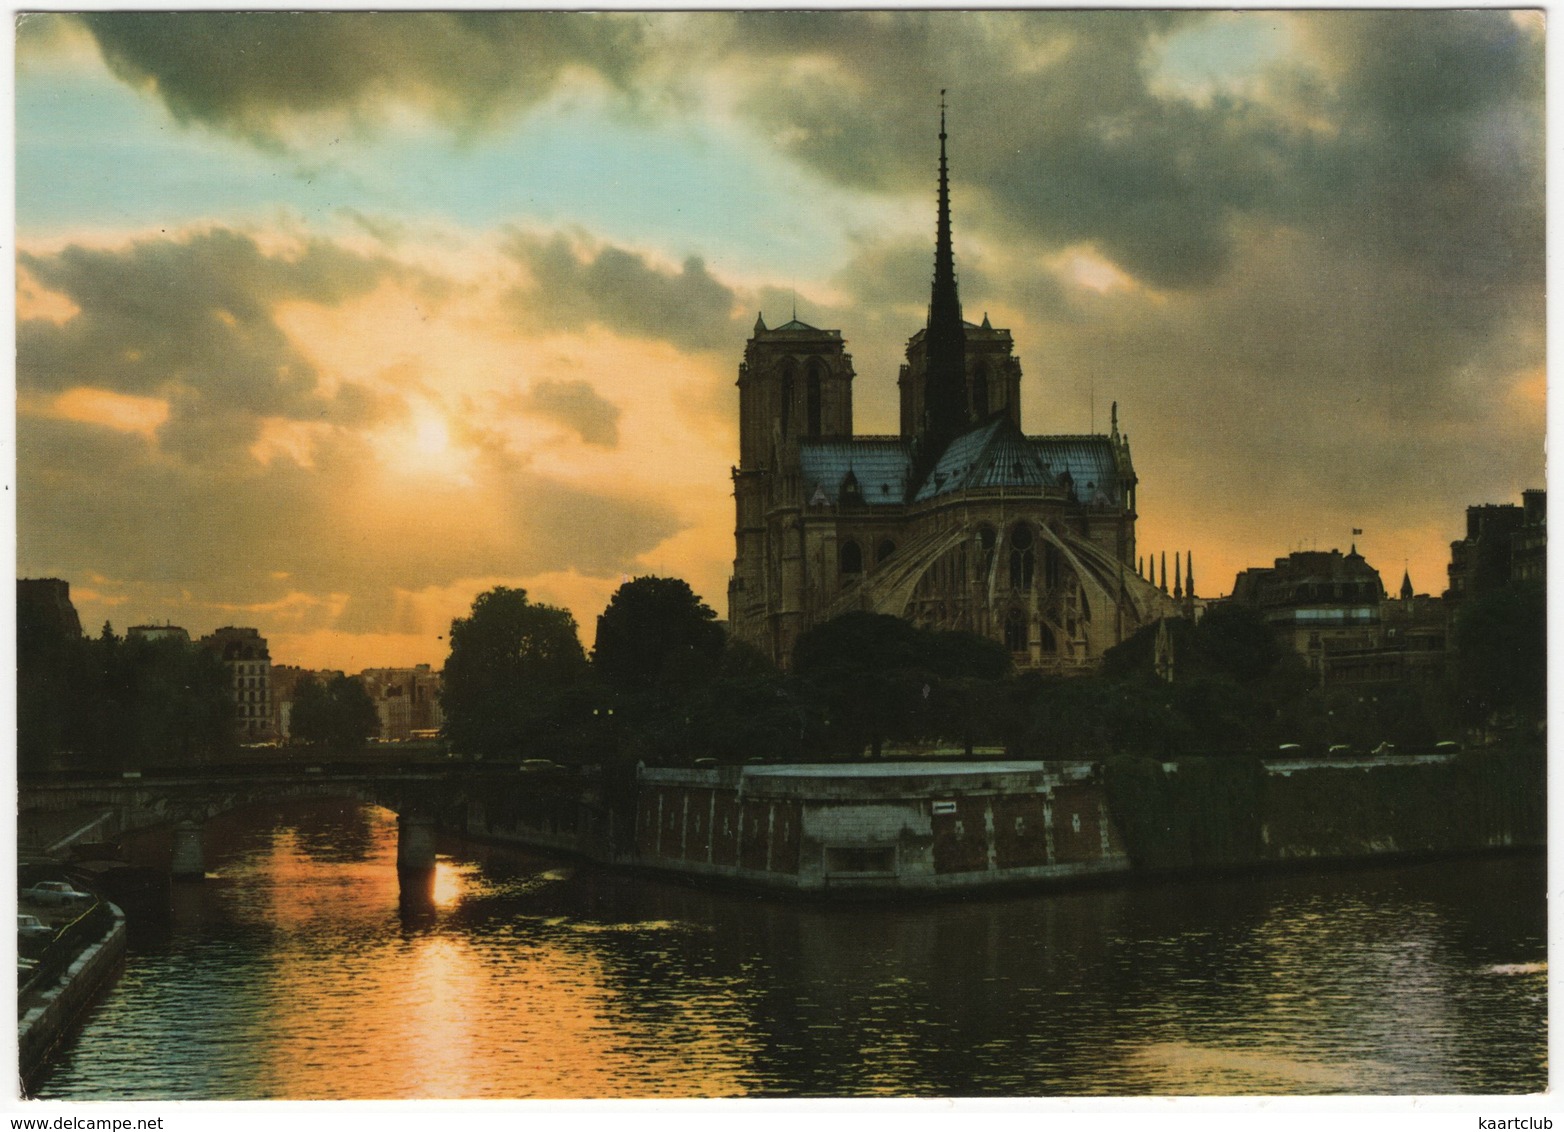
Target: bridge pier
x,y
189,861
415,857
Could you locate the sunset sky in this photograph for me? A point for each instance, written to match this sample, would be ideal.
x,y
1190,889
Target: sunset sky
x,y
328,322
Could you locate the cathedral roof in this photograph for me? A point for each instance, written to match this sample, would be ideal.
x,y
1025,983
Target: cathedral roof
x,y
879,465
996,454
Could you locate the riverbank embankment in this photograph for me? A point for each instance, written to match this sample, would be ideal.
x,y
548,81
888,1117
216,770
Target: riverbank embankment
x,y
868,828
81,961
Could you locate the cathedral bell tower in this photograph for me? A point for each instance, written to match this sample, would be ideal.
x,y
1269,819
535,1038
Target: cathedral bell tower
x,y
795,388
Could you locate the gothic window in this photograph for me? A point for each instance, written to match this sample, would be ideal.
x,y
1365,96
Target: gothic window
x,y
1050,643
852,558
812,397
980,392
1050,565
1015,631
1086,610
986,539
887,548
1022,557
787,396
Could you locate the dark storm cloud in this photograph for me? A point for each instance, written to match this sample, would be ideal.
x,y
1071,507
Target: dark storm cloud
x,y
248,72
1417,132
1438,161
577,406
1056,133
573,287
193,321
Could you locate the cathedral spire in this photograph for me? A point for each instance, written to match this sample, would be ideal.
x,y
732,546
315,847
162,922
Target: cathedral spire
x,y
945,372
944,303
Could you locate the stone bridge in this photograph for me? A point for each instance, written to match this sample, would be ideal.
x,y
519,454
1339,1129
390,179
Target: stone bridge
x,y
418,793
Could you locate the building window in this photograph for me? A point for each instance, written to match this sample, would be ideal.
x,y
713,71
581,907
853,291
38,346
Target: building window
x,y
986,540
787,397
812,398
1015,631
852,558
1023,558
887,548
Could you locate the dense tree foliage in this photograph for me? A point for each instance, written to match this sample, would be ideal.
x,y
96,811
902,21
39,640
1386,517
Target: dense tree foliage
x,y
513,681
1501,643
656,633
338,714
110,703
879,678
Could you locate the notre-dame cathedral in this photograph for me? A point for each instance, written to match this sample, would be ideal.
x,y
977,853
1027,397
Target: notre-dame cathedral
x,y
959,522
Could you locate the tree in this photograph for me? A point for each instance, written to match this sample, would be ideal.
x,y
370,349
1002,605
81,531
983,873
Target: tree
x,y
747,711
1501,644
880,678
865,673
339,714
509,678
656,633
111,703
180,705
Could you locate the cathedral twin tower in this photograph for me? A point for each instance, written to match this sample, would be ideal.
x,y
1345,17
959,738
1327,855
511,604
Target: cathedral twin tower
x,y
960,522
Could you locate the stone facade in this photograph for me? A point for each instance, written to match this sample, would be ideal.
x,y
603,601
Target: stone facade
x,y
1504,543
406,699
245,655
1317,601
960,521
887,827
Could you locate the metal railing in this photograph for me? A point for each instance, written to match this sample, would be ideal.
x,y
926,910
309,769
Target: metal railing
x,y
64,949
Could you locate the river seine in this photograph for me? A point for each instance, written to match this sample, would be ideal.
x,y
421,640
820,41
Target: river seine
x,y
291,973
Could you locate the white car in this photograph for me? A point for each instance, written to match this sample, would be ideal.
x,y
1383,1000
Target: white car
x,y
55,892
31,927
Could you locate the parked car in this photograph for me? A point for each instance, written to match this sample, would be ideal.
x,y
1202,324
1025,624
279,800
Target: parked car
x,y
55,892
31,928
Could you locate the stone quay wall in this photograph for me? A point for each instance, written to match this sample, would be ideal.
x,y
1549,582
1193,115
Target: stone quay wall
x,y
887,828
49,1016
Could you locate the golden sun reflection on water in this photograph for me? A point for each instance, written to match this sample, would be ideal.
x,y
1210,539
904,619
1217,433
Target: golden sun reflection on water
x,y
298,971
1186,1068
363,1005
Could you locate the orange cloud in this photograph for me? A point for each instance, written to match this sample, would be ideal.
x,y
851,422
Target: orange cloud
x,y
119,411
33,300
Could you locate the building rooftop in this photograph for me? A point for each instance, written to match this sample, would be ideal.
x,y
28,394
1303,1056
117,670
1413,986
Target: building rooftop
x,y
880,466
996,454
